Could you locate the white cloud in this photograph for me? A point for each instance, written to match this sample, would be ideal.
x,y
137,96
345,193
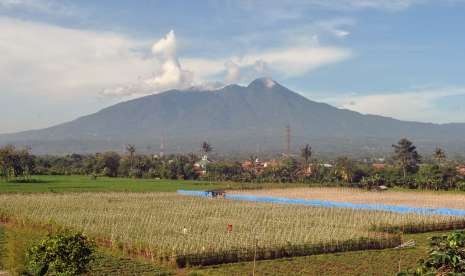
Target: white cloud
x,y
296,9
416,105
337,26
169,76
60,61
380,4
233,72
51,74
386,5
204,68
63,62
280,62
296,61
49,7
166,46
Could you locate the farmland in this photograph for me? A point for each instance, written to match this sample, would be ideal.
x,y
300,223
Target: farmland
x,y
145,219
153,224
366,262
423,199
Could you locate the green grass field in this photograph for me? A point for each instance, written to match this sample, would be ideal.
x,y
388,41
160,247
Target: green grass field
x,y
80,183
77,183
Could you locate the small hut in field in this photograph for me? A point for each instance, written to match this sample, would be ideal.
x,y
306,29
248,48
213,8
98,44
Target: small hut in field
x,y
216,193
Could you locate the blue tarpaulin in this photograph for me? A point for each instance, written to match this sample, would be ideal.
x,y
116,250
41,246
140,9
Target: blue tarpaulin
x,y
329,204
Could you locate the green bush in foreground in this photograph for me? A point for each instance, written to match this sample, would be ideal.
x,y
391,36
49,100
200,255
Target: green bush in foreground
x,y
60,254
446,257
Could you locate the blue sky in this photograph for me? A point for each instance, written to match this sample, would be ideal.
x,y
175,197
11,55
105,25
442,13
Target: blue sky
x,y
398,58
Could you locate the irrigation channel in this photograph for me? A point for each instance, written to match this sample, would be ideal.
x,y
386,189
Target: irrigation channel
x,y
332,204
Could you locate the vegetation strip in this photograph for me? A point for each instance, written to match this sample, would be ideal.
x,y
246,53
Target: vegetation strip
x,y
322,203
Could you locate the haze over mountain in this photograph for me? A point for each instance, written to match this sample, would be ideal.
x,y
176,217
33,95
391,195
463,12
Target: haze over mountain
x,y
234,119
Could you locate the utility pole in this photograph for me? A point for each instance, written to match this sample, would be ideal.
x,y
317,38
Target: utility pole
x,y
288,140
162,146
254,255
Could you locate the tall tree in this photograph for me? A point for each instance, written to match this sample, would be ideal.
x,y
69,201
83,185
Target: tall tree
x,y
407,157
26,162
439,155
6,160
108,163
306,154
15,163
345,169
206,147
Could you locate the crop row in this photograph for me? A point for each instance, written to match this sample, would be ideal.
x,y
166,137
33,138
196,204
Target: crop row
x,y
182,229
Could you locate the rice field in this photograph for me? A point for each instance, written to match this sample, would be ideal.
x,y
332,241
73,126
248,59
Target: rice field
x,y
166,226
422,199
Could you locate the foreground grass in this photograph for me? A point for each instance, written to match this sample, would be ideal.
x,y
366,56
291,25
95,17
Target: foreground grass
x,y
15,240
2,247
369,262
372,262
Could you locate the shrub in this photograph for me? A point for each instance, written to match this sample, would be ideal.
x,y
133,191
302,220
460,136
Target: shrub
x,y
446,257
64,254
371,182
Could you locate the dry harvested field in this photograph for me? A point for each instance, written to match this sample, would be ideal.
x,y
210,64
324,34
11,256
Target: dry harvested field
x,y
414,199
155,222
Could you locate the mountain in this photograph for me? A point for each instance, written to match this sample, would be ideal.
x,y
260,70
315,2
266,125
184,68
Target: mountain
x,y
234,119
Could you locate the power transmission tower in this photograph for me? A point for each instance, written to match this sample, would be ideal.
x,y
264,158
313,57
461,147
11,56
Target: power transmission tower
x,y
288,140
162,146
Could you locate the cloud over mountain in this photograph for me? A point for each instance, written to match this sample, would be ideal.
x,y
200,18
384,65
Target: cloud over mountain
x,y
168,75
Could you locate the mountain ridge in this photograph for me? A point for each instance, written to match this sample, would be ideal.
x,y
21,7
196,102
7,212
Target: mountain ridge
x,y
234,118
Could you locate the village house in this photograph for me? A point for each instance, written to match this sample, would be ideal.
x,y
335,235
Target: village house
x,y
461,170
255,165
273,163
378,166
200,167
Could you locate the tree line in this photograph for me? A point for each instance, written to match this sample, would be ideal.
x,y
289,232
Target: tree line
x,y
406,168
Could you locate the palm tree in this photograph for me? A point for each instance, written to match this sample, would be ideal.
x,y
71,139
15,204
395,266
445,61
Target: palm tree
x,y
306,153
206,148
131,149
439,155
